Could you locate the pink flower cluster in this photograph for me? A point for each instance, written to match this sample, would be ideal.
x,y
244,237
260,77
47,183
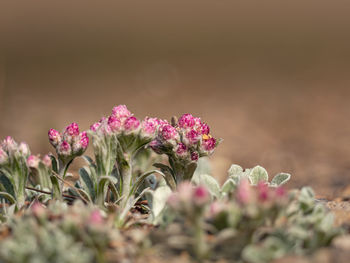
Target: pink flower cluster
x,y
188,197
9,149
123,122
70,143
262,193
33,161
188,140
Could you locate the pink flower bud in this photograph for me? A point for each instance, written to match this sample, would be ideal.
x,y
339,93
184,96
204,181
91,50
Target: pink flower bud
x,y
263,191
149,126
244,192
64,149
24,149
216,208
3,157
209,144
33,161
185,191
114,124
84,140
9,145
94,127
168,133
96,217
155,145
192,137
181,150
186,121
194,156
121,112
201,195
280,192
204,129
131,124
47,161
173,200
72,129
38,209
54,137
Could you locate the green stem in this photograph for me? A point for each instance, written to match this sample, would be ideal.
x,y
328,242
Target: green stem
x,y
200,246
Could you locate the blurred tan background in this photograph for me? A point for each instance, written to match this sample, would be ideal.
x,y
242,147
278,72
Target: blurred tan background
x,y
270,77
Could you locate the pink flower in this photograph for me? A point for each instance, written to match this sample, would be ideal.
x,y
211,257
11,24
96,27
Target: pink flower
x,y
54,137
280,192
186,121
24,149
263,191
9,145
201,195
94,127
47,161
96,217
185,191
149,126
33,161
209,144
84,140
155,145
121,112
168,132
173,200
181,149
194,156
114,123
192,137
216,208
64,149
38,209
204,129
131,124
72,129
244,192
3,157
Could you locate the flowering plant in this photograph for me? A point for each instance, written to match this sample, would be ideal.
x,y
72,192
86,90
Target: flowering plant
x,y
14,171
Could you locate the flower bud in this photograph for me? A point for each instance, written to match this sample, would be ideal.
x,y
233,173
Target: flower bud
x,y
280,192
186,121
9,145
84,140
168,133
114,124
244,192
209,144
156,146
181,150
149,127
96,217
194,156
47,161
185,191
263,191
121,112
94,127
192,137
64,149
54,137
24,149
201,195
216,208
3,157
204,129
33,161
173,200
131,124
72,129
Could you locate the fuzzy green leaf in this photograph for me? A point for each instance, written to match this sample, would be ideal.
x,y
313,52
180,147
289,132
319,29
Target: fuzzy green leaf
x,y
235,170
6,183
159,199
89,185
280,179
9,197
228,186
54,164
56,189
258,174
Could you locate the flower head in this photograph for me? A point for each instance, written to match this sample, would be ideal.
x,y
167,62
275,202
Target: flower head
x,y
64,149
194,156
121,112
186,121
209,144
72,129
201,195
192,137
131,124
263,191
114,124
244,192
9,145
3,157
54,137
33,161
94,127
168,133
24,149
181,150
149,127
47,161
